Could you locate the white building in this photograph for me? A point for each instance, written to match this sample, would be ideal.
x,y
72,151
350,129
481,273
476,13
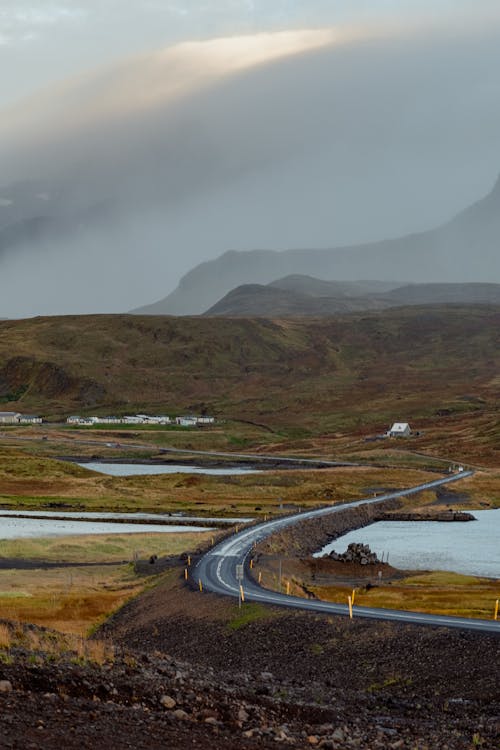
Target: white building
x,y
400,429
9,417
186,421
132,420
29,419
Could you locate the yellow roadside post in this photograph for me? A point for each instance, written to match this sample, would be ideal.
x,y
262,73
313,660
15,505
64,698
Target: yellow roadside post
x,y
200,584
185,574
260,576
350,606
496,609
353,595
189,559
251,564
213,541
242,593
288,588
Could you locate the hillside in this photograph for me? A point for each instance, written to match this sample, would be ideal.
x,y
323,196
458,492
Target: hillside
x,y
257,300
340,289
305,296
463,250
310,374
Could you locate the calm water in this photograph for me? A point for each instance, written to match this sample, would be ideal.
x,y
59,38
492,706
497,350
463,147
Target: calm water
x,y
129,470
22,528
472,548
106,516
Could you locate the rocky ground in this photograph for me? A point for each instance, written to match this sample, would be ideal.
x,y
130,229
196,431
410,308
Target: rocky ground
x,y
155,701
191,670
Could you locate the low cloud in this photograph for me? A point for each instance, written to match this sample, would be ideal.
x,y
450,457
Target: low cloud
x,y
303,139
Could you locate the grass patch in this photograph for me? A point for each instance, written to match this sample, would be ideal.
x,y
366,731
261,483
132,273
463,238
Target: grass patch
x,y
100,548
75,597
249,612
439,592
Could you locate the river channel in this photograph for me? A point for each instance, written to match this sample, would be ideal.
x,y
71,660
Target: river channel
x,y
472,548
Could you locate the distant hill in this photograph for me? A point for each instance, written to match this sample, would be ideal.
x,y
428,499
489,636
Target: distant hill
x,y
340,289
314,374
304,296
465,249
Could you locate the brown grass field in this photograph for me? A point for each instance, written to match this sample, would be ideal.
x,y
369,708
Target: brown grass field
x,y
91,581
439,592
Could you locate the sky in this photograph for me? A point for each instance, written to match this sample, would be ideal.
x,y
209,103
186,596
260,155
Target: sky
x,y
160,134
43,41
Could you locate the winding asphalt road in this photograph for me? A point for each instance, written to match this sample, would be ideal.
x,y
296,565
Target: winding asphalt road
x,y
217,569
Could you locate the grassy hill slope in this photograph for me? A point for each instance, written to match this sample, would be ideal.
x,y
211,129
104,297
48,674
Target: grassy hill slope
x,y
315,375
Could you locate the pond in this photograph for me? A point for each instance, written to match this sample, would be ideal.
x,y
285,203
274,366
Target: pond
x,y
23,528
472,548
110,516
129,470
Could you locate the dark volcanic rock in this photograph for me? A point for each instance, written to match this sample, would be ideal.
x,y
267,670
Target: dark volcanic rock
x,y
357,553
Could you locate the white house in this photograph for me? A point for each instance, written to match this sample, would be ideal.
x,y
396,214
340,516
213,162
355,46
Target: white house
x,y
186,421
29,419
159,419
9,417
400,429
132,420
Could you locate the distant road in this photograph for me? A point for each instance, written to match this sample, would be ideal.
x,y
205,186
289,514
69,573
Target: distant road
x,y
217,570
312,462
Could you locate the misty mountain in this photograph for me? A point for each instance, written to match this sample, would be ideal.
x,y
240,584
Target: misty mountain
x,y
119,180
293,299
466,249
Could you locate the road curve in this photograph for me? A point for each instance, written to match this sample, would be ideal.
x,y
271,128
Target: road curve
x,y
217,569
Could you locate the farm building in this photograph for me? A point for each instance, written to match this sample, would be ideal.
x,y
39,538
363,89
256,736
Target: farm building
x,y
29,419
14,417
400,429
9,417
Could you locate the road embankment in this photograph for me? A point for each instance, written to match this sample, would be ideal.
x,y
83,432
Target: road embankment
x,y
442,516
307,537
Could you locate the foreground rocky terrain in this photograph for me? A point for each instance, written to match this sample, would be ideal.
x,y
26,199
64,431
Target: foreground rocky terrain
x,y
153,700
190,669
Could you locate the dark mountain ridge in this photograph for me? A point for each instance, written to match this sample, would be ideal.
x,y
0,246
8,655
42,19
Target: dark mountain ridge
x,y
301,296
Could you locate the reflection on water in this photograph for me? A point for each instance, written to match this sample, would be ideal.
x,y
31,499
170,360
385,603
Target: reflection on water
x,y
468,547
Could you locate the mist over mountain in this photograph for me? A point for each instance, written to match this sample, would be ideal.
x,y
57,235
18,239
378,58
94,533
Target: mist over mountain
x,y
117,182
465,249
